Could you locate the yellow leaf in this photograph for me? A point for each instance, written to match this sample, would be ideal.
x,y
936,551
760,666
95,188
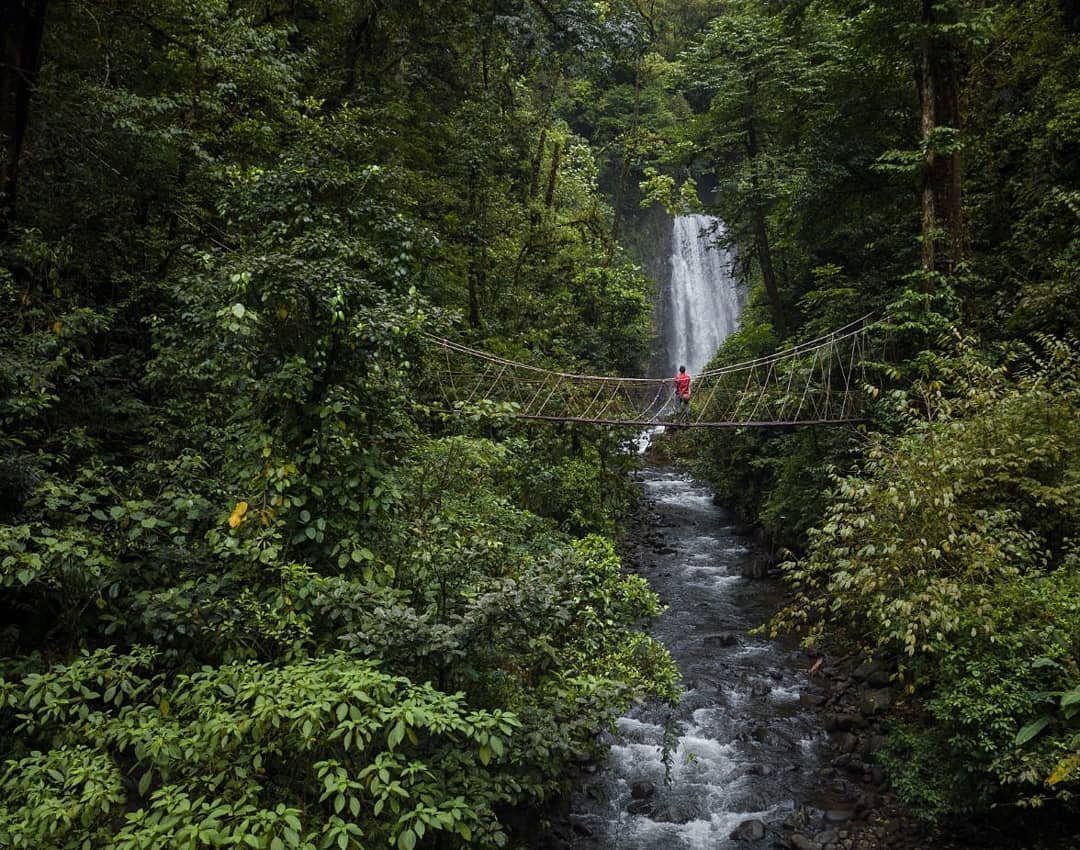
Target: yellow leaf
x,y
164,706
57,327
1064,769
237,516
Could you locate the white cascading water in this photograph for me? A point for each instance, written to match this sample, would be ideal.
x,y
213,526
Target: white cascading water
x,y
741,747
703,301
699,307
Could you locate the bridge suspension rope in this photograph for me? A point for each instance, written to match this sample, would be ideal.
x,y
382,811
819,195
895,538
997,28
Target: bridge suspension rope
x,y
817,382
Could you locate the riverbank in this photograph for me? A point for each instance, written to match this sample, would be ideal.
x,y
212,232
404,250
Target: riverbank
x,y
771,746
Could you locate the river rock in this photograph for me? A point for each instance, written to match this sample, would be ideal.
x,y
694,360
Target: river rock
x,y
844,742
760,689
642,790
639,807
827,837
870,745
874,673
582,829
676,811
801,842
722,639
809,700
838,722
765,734
875,701
838,815
749,830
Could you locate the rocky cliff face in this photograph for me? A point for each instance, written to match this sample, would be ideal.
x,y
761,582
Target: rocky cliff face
x,y
648,237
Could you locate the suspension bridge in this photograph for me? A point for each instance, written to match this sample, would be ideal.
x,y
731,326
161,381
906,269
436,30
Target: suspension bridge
x,y
818,382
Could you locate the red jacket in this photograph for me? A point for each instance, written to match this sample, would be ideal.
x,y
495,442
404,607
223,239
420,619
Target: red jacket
x,y
682,385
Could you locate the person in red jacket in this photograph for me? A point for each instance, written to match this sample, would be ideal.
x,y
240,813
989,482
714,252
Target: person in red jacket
x,y
682,391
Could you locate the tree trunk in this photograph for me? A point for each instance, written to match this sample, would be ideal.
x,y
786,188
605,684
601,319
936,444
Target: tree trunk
x,y
926,96
1071,11
625,159
549,198
534,178
355,46
942,180
768,275
22,26
949,180
761,235
477,272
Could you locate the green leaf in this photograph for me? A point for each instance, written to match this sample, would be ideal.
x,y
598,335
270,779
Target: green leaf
x,y
1031,730
1070,697
396,734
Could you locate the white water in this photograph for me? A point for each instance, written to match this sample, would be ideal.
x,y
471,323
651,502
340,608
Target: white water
x,y
742,745
703,300
738,730
701,303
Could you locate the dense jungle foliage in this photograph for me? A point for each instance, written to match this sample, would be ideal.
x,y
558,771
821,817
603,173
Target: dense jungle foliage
x,y
916,161
261,589
257,589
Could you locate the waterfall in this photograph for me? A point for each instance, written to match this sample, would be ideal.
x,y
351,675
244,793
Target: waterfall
x,y
703,300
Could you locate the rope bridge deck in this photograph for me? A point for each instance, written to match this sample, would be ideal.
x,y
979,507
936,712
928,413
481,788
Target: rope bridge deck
x,y
819,382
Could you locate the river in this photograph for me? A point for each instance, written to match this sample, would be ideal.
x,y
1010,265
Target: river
x,y
745,746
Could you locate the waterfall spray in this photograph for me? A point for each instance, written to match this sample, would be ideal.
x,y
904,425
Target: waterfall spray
x,y
703,300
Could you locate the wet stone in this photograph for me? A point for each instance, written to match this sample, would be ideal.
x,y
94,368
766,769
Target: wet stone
x,y
642,790
874,673
809,700
829,836
839,722
677,811
749,830
582,829
838,815
844,742
874,702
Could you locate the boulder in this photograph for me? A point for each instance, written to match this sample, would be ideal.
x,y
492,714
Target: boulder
x,y
809,700
873,702
844,742
676,811
749,830
874,673
722,639
829,836
837,722
801,842
642,790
